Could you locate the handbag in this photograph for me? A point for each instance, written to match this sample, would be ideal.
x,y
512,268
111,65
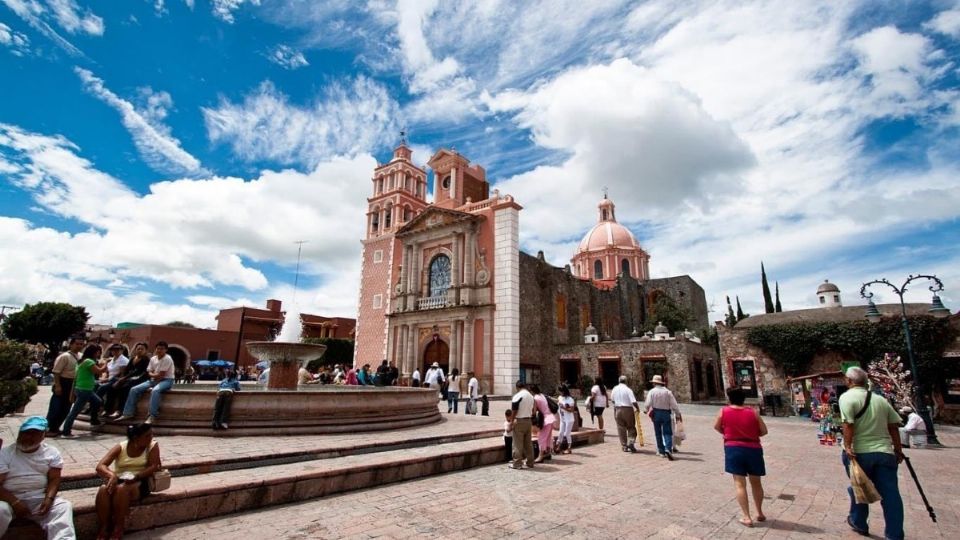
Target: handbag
x,y
537,419
160,481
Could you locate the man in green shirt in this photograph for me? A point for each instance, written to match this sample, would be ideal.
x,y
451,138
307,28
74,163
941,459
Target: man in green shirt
x,y
88,370
871,438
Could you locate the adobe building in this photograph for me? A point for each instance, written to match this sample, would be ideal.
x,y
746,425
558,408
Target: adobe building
x,y
445,282
235,327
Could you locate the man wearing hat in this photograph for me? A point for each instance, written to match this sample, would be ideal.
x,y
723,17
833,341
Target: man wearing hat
x,y
434,377
29,480
662,403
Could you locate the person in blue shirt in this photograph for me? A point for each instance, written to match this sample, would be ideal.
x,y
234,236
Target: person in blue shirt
x,y
221,410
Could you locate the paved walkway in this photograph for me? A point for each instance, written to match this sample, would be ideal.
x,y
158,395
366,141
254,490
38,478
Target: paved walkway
x,y
598,492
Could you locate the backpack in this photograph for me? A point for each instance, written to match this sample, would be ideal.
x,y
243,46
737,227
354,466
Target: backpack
x,y
552,404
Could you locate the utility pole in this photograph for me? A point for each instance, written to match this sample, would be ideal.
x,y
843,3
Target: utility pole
x,y
296,277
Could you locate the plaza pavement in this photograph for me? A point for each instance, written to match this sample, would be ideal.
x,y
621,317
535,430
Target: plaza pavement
x,y
598,492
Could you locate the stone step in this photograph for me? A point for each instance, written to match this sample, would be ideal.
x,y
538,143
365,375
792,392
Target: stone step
x,y
215,494
191,467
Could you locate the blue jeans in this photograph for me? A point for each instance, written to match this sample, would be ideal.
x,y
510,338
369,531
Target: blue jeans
x,y
155,396
663,430
453,398
881,469
83,397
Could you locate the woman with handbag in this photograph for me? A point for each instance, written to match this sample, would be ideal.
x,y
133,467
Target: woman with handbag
x,y
545,435
134,461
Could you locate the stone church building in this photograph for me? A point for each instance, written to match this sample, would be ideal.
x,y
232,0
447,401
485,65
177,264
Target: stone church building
x,y
446,282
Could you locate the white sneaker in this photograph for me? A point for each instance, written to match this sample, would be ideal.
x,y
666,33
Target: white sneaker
x,y
149,420
224,426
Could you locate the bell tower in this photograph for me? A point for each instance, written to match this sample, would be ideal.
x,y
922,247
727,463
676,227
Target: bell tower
x,y
455,180
398,194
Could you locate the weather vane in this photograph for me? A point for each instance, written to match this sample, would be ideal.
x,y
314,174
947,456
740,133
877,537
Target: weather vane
x,y
605,192
403,136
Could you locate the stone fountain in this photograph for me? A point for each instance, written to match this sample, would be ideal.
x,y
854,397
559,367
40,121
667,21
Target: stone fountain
x,y
285,359
284,409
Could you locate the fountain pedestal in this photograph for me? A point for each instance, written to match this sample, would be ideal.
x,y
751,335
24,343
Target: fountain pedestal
x,y
285,359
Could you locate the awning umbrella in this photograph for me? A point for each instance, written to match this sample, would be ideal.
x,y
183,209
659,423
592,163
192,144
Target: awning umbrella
x,y
202,363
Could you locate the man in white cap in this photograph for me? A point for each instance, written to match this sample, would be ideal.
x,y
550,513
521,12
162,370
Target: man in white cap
x,y
434,377
29,481
662,403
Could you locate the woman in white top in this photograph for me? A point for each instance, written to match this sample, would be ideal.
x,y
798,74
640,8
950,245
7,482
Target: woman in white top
x,y
567,407
598,401
453,390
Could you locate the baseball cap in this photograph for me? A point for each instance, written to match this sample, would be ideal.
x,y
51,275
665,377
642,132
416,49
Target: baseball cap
x,y
34,423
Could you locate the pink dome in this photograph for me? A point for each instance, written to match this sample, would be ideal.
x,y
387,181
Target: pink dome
x,y
607,234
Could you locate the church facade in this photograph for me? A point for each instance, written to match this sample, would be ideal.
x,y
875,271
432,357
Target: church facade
x,y
446,282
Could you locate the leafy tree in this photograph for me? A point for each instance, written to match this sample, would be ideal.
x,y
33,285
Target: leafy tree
x,y
740,314
180,324
731,318
339,351
767,301
49,323
778,308
16,385
672,315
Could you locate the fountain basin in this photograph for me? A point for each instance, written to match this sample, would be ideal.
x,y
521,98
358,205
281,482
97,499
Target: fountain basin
x,y
286,359
313,410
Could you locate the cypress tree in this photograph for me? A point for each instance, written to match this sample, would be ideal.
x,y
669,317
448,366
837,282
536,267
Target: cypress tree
x,y
767,301
740,315
731,318
778,307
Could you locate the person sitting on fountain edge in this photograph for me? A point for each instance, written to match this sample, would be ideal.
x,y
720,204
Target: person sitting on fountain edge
x,y
160,369
221,409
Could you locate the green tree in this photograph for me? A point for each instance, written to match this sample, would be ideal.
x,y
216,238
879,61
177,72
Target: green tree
x,y
45,322
16,386
740,314
731,318
767,301
672,315
339,351
180,324
778,308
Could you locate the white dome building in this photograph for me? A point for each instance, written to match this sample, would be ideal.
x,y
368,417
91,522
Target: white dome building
x,y
828,294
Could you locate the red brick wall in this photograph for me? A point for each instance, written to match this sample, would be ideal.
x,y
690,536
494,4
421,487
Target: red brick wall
x,y
374,279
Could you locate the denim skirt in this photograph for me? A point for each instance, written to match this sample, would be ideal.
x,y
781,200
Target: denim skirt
x,y
744,461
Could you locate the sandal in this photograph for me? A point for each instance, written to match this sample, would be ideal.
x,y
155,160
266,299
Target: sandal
x,y
761,517
746,522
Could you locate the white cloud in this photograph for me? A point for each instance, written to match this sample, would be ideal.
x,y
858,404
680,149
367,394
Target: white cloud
x,y
74,20
173,236
287,57
33,12
223,9
348,119
153,139
946,22
18,43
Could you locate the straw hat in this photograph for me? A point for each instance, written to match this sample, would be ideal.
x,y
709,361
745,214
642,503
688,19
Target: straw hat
x,y
435,364
657,379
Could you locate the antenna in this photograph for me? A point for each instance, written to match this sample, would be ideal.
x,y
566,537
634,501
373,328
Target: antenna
x,y
296,276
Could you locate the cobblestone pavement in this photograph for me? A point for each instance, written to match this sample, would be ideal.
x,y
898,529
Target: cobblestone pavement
x,y
601,492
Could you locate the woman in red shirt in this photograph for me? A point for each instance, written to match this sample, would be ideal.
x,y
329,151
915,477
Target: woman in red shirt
x,y
742,428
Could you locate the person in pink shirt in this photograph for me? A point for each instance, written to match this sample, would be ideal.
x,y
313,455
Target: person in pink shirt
x,y
545,435
742,428
352,377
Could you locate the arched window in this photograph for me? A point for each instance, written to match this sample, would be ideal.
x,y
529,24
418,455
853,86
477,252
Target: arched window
x,y
375,224
625,267
597,269
439,275
379,186
604,215
406,214
388,218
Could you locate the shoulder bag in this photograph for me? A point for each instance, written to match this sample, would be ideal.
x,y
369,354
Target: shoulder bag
x,y
160,481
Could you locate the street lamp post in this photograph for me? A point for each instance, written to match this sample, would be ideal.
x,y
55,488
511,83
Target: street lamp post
x,y
937,309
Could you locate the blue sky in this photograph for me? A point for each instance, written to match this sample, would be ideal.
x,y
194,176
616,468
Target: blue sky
x,y
159,158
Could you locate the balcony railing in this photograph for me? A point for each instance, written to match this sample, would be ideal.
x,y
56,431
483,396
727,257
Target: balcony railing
x,y
432,302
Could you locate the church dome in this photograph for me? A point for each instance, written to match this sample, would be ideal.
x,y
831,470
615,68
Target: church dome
x,y
607,234
609,249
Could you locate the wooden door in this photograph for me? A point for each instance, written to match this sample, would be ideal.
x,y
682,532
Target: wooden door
x,y
437,351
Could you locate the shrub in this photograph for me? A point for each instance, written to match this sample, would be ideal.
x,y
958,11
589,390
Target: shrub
x,y
16,385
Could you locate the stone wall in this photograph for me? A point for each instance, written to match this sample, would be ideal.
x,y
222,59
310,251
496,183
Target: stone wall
x,y
556,307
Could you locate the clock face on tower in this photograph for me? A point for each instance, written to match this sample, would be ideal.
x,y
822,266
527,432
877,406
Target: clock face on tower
x,y
439,275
